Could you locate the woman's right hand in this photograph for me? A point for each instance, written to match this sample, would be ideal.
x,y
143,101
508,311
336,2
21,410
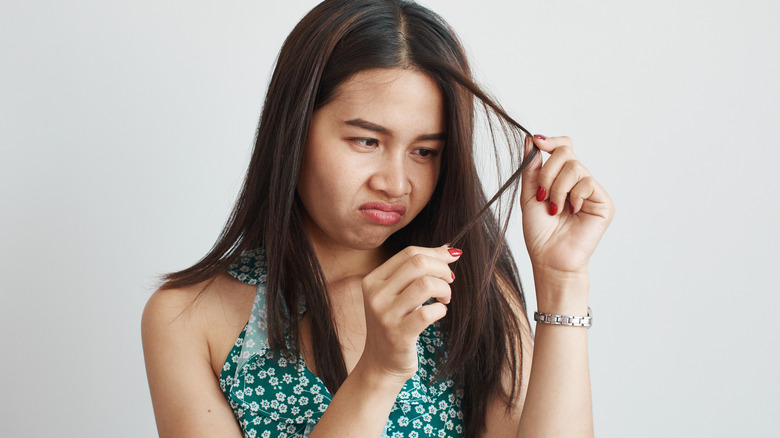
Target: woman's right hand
x,y
394,297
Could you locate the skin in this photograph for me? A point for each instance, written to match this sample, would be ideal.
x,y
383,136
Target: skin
x,y
377,297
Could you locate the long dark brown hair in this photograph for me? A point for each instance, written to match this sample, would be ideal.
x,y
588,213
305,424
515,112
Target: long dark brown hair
x,y
337,39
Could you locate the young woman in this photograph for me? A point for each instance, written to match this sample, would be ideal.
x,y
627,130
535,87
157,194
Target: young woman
x,y
362,286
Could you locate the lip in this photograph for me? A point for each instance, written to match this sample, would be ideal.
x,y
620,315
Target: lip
x,y
383,213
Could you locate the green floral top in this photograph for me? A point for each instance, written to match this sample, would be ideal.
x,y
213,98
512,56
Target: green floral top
x,y
275,397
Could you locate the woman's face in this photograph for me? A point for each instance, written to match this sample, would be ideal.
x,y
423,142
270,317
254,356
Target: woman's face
x,y
372,158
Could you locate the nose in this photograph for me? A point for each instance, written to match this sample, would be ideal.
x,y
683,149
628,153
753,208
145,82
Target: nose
x,y
391,178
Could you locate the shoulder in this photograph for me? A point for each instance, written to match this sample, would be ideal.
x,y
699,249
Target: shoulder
x,y
197,313
187,333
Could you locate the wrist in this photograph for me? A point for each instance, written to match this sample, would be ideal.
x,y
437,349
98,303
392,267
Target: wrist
x,y
561,292
378,381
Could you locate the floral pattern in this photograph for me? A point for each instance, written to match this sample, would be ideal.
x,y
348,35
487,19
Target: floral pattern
x,y
272,396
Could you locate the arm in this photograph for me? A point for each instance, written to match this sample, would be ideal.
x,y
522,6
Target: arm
x,y
565,213
558,400
185,393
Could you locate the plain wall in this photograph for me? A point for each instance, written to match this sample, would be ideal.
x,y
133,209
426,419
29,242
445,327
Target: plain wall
x,y
126,127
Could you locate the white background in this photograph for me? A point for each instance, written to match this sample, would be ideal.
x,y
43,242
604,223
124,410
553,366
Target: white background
x,y
126,126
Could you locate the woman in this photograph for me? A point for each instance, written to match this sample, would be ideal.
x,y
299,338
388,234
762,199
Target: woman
x,y
362,286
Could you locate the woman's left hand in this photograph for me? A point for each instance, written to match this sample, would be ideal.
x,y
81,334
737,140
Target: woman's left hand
x,y
565,210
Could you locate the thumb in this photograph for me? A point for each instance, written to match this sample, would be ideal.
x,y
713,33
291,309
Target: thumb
x,y
531,173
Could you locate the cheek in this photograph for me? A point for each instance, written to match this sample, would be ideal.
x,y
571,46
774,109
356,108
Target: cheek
x,y
426,183
330,183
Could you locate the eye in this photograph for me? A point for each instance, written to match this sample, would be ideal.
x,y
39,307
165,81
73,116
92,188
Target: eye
x,y
367,143
427,153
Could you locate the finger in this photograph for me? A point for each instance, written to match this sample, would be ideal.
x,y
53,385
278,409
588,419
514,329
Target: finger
x,y
551,168
530,185
550,144
571,173
387,269
424,316
419,292
589,197
415,268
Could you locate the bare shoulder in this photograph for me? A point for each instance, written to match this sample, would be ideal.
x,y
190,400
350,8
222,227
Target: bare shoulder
x,y
205,318
196,308
187,333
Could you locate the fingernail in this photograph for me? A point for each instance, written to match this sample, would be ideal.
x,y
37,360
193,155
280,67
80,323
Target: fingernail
x,y
455,252
571,209
553,209
541,193
540,137
453,275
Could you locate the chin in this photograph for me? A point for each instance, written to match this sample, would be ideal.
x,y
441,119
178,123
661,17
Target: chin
x,y
368,244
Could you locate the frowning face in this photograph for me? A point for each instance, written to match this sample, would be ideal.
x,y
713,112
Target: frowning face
x,y
372,158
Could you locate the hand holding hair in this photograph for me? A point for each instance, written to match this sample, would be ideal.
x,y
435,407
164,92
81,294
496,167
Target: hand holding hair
x,y
394,297
565,210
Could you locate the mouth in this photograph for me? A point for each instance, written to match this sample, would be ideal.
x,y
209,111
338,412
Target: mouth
x,y
383,213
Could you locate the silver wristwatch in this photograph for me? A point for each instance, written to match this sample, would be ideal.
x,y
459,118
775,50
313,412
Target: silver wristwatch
x,y
572,321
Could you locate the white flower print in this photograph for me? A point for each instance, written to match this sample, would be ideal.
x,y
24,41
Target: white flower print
x,y
274,396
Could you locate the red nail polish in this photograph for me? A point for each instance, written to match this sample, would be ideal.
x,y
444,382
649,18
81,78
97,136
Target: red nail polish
x,y
540,137
453,275
571,209
541,193
553,209
455,252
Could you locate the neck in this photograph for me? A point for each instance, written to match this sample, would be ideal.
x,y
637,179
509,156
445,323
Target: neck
x,y
339,263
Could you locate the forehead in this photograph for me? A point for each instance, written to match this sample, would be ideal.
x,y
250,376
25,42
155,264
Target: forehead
x,y
392,97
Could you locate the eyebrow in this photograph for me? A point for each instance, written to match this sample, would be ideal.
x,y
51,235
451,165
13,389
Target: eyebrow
x,y
360,123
